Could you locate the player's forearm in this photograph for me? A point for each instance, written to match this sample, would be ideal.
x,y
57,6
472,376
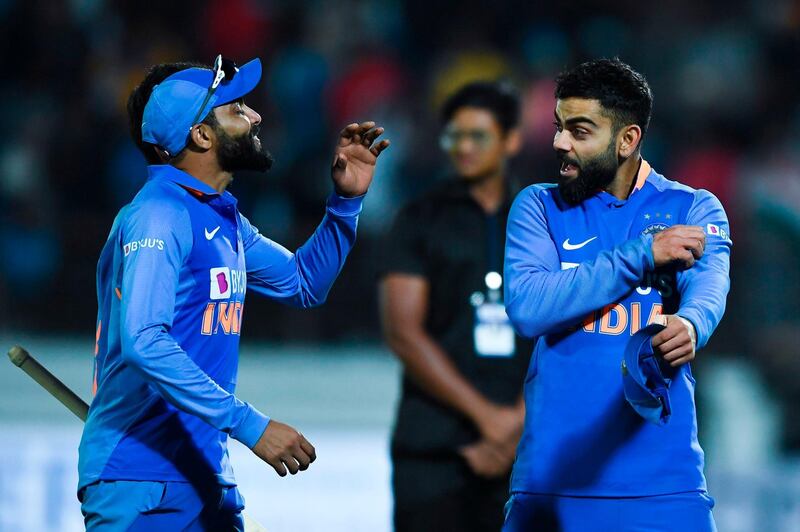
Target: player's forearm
x,y
539,301
164,365
428,365
703,297
322,257
704,287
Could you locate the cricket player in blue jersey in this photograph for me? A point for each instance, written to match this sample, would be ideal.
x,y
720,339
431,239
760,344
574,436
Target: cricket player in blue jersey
x,y
589,263
171,285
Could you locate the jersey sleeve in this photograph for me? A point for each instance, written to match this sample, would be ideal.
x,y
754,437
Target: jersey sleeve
x,y
303,278
541,298
704,287
156,239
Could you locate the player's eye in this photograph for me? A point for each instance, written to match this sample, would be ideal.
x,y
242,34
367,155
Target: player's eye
x,y
557,125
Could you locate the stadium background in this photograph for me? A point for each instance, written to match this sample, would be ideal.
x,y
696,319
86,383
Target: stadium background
x,y
726,79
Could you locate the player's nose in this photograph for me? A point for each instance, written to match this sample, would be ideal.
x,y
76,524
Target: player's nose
x,y
254,117
561,142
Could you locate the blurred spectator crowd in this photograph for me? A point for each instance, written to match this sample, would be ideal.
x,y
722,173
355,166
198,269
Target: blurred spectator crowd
x,y
725,75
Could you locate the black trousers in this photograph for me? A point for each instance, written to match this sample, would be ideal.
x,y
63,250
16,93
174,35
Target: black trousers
x,y
443,495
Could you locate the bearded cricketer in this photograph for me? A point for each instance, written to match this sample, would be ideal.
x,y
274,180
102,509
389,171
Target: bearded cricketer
x,y
589,264
171,284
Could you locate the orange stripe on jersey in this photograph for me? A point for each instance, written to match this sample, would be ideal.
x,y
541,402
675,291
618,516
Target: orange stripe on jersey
x,y
641,177
97,337
194,192
119,293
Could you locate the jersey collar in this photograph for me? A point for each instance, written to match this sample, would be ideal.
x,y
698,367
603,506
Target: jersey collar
x,y
167,172
641,178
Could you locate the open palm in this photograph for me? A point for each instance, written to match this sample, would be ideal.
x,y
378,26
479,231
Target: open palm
x,y
355,157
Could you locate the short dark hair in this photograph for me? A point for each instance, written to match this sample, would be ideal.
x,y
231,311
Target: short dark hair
x,y
622,92
498,97
141,94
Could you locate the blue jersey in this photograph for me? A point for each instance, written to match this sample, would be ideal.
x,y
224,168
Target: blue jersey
x,y
171,285
582,279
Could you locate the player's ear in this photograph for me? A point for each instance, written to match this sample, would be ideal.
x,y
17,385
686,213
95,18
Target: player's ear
x,y
202,136
631,136
513,142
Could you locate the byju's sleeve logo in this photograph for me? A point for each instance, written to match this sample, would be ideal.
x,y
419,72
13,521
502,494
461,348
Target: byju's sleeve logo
x,y
144,243
220,282
715,230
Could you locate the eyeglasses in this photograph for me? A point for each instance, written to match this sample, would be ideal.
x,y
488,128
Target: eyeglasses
x,y
223,69
451,138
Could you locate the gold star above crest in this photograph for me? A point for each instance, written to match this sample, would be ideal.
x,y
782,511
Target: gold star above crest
x,y
668,216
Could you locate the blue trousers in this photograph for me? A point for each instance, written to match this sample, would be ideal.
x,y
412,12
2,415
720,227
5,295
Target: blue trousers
x,y
153,506
680,512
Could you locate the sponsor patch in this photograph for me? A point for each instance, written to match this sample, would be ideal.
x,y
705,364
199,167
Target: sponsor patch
x,y
220,283
715,230
145,243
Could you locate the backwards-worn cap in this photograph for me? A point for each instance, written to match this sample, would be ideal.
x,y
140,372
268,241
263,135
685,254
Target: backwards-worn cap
x,y
643,381
186,97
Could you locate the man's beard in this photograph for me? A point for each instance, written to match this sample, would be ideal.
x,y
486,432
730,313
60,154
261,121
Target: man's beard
x,y
595,174
242,153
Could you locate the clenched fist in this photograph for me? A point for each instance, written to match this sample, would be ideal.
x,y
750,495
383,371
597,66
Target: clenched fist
x,y
680,244
677,343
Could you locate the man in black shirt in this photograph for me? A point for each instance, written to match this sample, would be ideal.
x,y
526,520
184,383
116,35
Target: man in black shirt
x,y
461,412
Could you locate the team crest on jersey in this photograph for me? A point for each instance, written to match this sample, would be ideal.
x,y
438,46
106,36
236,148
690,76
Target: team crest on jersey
x,y
654,228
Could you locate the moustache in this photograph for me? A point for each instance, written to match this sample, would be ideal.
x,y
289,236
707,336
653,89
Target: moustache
x,y
564,159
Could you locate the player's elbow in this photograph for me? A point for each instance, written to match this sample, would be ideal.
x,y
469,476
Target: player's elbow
x,y
135,344
311,294
311,300
524,320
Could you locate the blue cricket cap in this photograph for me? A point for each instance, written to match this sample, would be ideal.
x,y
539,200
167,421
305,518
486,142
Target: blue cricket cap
x,y
645,386
175,102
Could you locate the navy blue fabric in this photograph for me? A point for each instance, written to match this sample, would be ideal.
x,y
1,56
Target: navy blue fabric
x,y
676,512
645,385
148,506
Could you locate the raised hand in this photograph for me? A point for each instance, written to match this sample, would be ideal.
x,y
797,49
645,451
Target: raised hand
x,y
354,159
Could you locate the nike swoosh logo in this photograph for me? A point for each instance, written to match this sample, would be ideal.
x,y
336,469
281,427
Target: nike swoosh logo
x,y
210,235
569,247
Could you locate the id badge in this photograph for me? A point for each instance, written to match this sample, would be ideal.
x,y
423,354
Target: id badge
x,y
493,334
